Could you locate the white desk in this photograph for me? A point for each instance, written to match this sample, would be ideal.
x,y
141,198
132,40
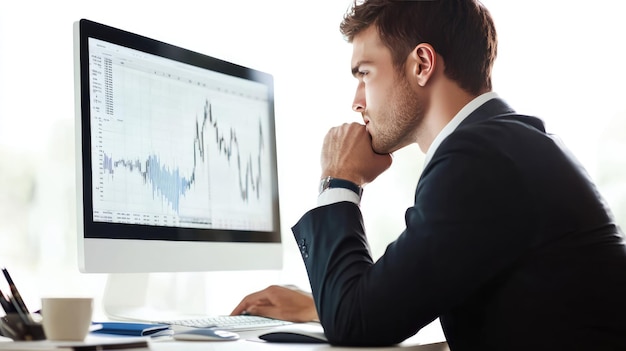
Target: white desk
x,y
243,345
248,341
429,338
425,340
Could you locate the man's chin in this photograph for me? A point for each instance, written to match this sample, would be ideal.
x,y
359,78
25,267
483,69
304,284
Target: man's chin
x,y
380,150
385,149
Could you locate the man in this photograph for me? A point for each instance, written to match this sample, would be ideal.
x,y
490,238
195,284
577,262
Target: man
x,y
508,242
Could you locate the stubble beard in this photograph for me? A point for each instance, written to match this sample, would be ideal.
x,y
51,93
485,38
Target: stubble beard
x,y
400,120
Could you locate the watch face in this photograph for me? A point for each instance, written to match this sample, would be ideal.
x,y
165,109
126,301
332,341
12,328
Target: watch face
x,y
324,184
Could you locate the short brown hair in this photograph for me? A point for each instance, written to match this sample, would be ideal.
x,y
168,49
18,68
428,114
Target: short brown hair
x,y
461,31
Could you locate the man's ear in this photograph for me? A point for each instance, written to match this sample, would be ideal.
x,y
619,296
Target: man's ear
x,y
424,60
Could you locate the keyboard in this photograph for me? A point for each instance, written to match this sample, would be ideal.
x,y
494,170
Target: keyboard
x,y
232,323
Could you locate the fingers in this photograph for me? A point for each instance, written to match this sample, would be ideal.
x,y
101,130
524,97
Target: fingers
x,y
348,153
266,311
258,308
240,309
298,315
256,298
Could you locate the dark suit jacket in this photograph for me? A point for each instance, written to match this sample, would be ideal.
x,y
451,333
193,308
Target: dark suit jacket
x,y
508,242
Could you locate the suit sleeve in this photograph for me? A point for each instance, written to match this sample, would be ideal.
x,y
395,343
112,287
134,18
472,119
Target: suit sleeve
x,y
468,224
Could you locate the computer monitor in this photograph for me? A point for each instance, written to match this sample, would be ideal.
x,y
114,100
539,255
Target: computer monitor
x,y
176,158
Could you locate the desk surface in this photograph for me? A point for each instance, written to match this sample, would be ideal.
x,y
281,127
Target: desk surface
x,y
252,343
243,345
248,341
428,339
422,341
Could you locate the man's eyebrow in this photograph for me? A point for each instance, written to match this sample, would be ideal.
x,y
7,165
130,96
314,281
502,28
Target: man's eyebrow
x,y
355,68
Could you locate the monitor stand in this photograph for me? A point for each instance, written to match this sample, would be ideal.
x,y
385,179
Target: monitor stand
x,y
126,296
180,295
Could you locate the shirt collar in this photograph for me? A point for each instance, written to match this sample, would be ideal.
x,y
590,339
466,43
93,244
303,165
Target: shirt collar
x,y
454,122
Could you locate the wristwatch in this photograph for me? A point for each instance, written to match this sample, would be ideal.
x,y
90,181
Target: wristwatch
x,y
330,182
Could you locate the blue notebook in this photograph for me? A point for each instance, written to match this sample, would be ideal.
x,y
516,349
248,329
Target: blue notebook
x,y
133,329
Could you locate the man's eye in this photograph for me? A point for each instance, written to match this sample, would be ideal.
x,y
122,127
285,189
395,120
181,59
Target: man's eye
x,y
362,73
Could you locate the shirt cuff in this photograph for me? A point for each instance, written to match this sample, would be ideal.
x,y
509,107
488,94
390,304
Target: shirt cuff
x,y
334,195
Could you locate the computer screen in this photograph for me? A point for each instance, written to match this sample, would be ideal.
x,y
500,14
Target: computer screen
x,y
176,158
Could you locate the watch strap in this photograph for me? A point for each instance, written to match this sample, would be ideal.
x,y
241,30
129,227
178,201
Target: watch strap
x,y
330,183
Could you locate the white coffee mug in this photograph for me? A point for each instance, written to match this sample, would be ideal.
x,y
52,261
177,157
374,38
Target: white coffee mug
x,y
66,318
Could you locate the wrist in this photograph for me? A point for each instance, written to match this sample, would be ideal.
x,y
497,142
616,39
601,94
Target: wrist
x,y
332,182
